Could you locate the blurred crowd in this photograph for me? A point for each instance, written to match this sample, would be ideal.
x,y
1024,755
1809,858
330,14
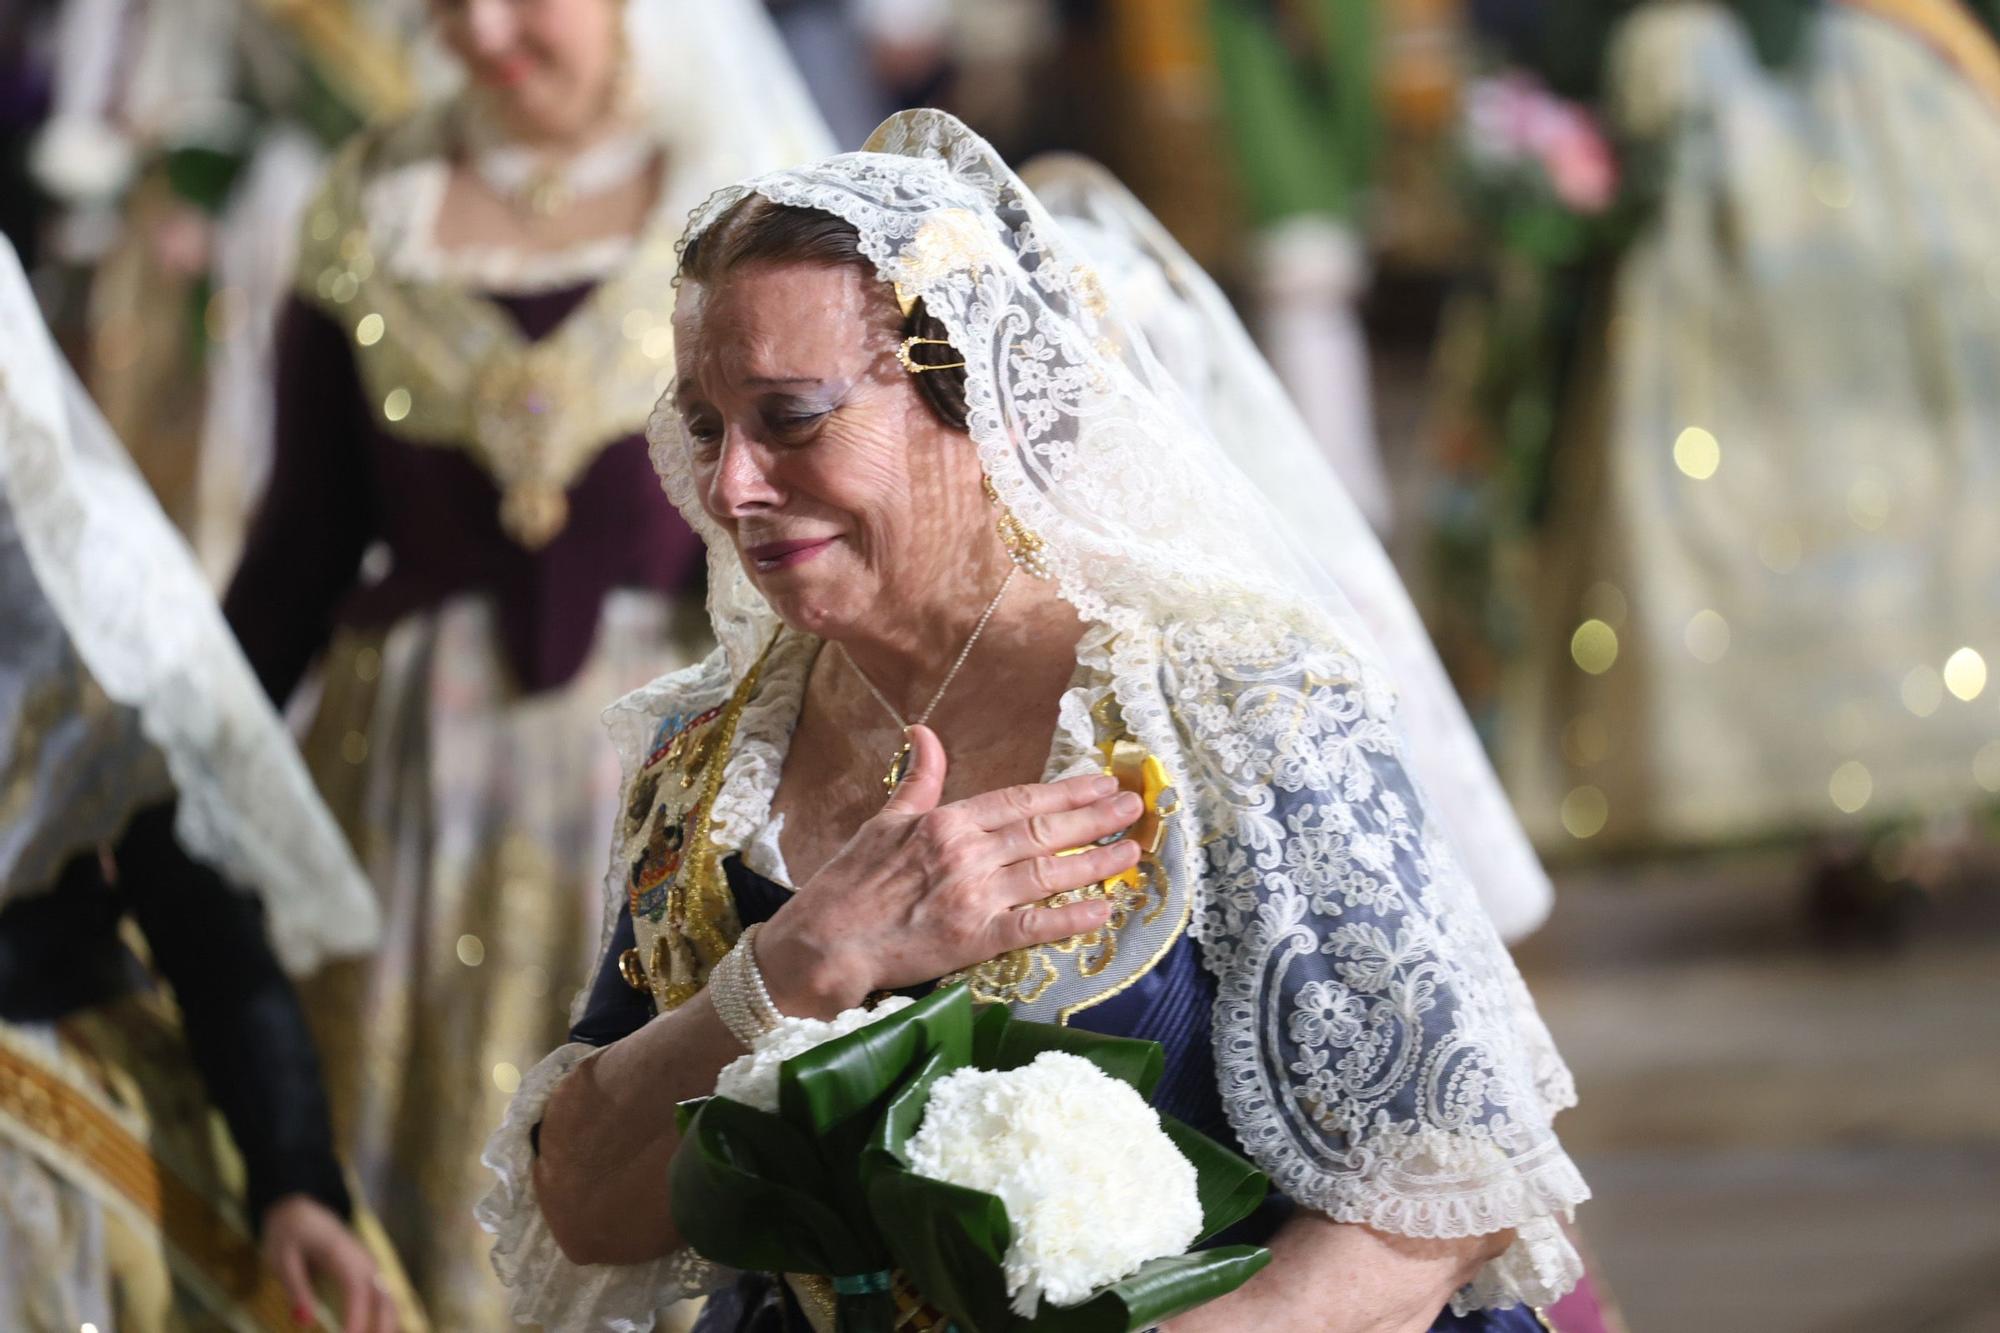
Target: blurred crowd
x,y
1659,341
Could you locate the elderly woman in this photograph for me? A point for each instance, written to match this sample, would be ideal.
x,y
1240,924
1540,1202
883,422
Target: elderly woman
x,y
986,593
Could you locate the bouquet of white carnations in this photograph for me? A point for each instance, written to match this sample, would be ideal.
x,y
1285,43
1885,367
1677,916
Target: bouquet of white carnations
x,y
1013,1172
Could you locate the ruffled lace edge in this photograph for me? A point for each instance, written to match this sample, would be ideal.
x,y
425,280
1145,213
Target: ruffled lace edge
x,y
544,1287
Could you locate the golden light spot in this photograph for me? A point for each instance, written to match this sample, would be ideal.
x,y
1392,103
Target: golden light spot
x,y
1594,646
658,343
1965,674
362,266
1831,185
1868,501
636,322
342,289
396,405
1602,601
1584,812
367,664
1986,766
368,330
506,1078
354,748
1851,786
324,224
471,950
1779,548
1707,636
353,245
222,318
1923,690
1586,741
323,284
1697,453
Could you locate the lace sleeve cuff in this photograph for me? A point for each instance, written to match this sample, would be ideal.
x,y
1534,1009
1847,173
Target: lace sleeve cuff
x,y
545,1288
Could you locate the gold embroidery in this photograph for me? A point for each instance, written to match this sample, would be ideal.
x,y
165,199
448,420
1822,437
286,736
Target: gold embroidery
x,y
446,366
697,923
1140,896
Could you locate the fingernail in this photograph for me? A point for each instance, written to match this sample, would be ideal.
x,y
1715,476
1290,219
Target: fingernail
x,y
1103,785
1127,806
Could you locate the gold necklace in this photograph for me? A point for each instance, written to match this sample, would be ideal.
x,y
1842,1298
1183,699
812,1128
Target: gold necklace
x,y
899,763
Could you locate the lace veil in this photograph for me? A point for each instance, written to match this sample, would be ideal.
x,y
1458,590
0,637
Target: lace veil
x,y
115,579
1376,1050
1191,328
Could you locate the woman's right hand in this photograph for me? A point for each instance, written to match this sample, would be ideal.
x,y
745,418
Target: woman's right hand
x,y
923,890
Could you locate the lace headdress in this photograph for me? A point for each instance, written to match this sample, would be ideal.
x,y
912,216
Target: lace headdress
x,y
1376,1050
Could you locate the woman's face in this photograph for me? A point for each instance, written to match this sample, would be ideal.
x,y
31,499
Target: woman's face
x,y
851,505
549,64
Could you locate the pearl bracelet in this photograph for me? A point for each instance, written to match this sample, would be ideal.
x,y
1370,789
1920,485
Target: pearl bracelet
x,y
736,988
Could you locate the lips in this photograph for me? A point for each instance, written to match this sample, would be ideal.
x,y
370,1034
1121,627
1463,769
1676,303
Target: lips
x,y
768,556
507,73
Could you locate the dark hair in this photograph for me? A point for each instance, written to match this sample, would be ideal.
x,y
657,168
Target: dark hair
x,y
755,230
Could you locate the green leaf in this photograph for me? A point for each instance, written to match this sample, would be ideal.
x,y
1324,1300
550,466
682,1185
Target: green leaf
x,y
1011,1044
950,1240
1229,1187
850,1075
1158,1291
748,1191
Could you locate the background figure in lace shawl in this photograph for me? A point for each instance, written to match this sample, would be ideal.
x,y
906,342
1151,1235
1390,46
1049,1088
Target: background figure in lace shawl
x,y
916,429
1778,421
147,779
462,530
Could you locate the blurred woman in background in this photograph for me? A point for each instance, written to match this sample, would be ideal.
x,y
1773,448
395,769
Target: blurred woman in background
x,y
463,527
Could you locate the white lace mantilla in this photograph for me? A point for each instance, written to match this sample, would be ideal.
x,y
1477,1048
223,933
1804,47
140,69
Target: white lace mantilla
x,y
1376,1050
139,616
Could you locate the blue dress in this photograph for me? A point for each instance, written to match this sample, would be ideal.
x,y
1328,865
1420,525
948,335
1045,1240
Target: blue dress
x,y
1169,1005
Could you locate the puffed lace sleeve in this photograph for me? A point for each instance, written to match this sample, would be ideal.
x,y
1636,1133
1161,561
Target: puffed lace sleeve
x,y
544,1287
1378,1053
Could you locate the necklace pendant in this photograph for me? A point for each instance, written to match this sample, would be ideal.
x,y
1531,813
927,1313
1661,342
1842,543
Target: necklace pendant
x,y
899,768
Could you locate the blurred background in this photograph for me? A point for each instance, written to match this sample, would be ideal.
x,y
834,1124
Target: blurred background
x,y
1660,343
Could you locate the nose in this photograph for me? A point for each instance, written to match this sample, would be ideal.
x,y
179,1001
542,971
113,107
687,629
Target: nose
x,y
741,484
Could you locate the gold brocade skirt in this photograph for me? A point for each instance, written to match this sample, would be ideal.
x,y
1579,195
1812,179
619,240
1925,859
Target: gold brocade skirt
x,y
483,817
121,1192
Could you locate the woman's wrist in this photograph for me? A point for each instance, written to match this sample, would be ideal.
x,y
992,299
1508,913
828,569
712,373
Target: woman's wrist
x,y
805,980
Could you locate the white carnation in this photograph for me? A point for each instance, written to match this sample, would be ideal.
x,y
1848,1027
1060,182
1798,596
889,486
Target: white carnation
x,y
753,1078
1093,1186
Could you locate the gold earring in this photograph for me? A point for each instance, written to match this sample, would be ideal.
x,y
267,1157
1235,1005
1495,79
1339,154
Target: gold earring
x,y
1028,551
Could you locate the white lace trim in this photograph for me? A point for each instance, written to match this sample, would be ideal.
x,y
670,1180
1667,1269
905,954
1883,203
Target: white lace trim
x,y
547,1289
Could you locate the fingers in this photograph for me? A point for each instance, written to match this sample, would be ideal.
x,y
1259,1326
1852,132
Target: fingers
x,y
923,783
357,1298
1059,831
1010,805
387,1320
1033,880
1045,925
290,1263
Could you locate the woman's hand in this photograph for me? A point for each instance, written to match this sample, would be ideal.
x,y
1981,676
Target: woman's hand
x,y
923,890
303,1240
